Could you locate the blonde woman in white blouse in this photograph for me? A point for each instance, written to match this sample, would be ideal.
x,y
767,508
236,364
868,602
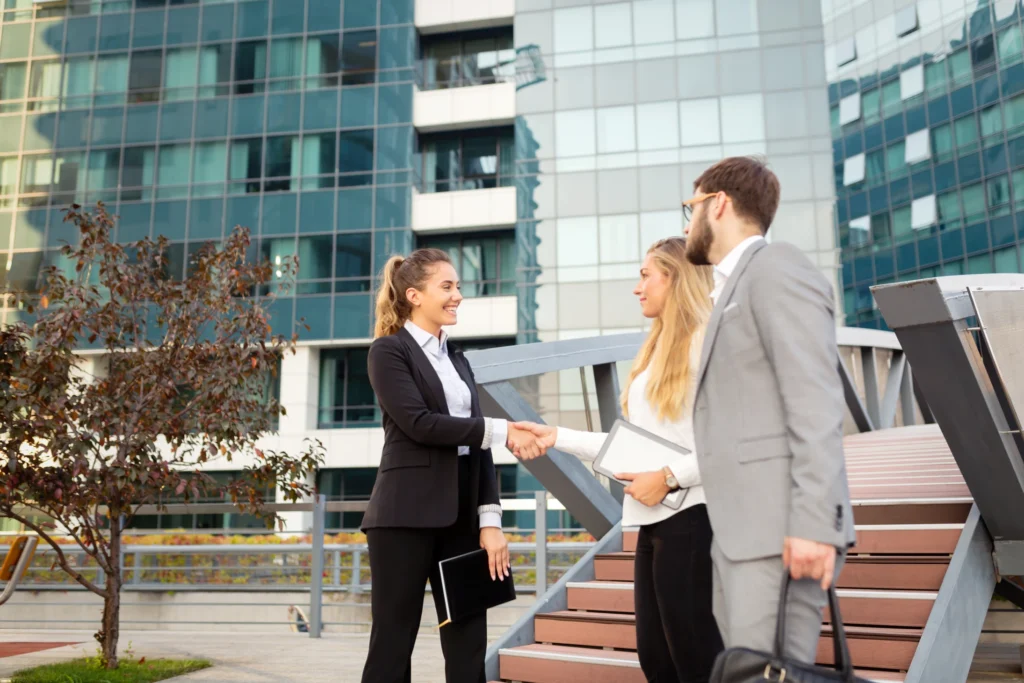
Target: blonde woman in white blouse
x,y
677,637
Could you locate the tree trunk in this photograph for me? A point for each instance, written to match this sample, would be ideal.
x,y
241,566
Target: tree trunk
x,y
111,629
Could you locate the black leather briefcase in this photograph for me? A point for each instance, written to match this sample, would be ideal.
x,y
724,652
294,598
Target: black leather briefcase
x,y
740,665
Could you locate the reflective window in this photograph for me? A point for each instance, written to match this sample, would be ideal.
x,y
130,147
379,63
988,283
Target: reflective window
x,y
860,231
917,147
323,60
250,66
214,68
613,25
923,212
575,133
620,238
352,257
906,20
737,17
901,225
358,57
949,209
285,63
15,41
209,168
849,109
695,19
8,175
973,202
699,122
355,154
1006,260
104,166
846,51
281,161
743,118
318,160
653,21
1010,46
999,196
874,168
138,173
891,99
853,170
173,170
1014,111
991,120
1018,190
912,82
935,78
46,80
245,165
616,129
942,142
896,160
181,73
12,84
346,396
574,29
966,132
577,241
657,126
486,263
870,105
144,76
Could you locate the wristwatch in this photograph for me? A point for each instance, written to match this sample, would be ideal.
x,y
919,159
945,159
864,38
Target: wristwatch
x,y
670,479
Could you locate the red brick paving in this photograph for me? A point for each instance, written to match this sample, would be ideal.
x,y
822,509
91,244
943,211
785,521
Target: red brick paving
x,y
12,649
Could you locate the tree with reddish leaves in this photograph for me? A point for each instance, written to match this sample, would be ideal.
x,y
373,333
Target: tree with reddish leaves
x,y
129,380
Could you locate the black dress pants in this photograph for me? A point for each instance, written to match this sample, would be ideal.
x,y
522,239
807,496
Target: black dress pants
x,y
401,562
677,636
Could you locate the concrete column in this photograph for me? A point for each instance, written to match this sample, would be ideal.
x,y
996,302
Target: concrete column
x,y
300,389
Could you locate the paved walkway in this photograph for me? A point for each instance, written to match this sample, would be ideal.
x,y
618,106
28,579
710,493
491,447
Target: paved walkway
x,y
237,657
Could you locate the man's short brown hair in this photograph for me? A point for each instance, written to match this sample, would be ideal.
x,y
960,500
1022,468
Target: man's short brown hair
x,y
750,184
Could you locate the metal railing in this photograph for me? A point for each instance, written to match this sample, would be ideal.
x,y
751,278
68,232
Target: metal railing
x,y
317,566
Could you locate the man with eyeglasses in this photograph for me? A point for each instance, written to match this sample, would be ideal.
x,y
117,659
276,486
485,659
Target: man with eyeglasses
x,y
768,415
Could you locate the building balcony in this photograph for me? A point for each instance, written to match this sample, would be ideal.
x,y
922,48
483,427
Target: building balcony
x,y
461,105
482,209
443,16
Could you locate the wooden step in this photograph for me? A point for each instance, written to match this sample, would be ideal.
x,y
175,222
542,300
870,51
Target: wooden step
x,y
880,572
883,539
911,512
586,629
567,664
864,607
564,664
873,648
906,539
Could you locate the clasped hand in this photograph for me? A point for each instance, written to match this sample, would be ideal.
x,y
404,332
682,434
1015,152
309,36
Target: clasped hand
x,y
529,440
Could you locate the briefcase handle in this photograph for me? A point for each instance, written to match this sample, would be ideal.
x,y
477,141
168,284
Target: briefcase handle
x,y
841,652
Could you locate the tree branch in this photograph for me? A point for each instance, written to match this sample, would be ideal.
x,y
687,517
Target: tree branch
x,y
62,559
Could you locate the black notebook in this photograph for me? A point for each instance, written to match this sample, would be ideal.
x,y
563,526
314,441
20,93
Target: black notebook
x,y
467,587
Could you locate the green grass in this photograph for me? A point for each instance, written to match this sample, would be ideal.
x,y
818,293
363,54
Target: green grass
x,y
88,670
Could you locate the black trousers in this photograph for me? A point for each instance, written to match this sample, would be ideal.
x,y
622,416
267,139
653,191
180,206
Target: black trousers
x,y
401,562
676,633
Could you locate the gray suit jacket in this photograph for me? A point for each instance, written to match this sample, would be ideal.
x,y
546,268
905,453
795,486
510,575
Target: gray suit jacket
x,y
769,409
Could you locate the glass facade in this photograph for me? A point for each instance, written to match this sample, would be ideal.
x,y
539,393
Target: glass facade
x,y
927,118
293,118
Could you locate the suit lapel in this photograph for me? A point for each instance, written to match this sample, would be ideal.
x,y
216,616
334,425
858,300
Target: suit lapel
x,y
419,359
720,304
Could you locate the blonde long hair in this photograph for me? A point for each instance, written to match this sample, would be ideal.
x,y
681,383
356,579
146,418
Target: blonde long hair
x,y
681,323
399,274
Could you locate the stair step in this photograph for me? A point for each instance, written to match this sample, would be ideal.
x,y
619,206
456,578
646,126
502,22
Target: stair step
x,y
910,512
906,539
883,539
566,664
880,572
875,648
586,629
866,607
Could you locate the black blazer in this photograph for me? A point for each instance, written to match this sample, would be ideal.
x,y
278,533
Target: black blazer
x,y
417,482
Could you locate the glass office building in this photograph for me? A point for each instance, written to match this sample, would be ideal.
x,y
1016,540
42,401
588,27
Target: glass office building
x,y
927,107
545,145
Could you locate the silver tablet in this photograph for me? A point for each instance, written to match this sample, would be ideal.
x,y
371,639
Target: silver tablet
x,y
629,448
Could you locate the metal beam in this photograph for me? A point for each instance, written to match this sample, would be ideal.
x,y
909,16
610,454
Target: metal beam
x,y
563,475
853,403
1010,557
907,395
954,625
959,393
556,599
512,362
893,390
922,403
870,370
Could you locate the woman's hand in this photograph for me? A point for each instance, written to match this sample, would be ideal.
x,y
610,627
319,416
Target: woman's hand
x,y
648,488
524,444
546,434
493,541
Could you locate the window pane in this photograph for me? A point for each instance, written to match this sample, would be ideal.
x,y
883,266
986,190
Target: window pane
x,y
45,79
12,81
323,58
613,25
616,129
949,209
214,67
318,159
138,171
1010,46
112,74
103,169
480,162
575,132
942,141
36,173
875,167
286,61
210,163
999,196
315,257
1006,260
966,130
974,202
352,255
991,121
1014,110
282,161
901,223
960,67
355,151
891,101
935,78
658,126
8,175
246,163
250,66
653,20
358,57
173,169
181,73
896,160
144,77
1018,189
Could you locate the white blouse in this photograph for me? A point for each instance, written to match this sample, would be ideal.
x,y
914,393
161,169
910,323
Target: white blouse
x,y
586,445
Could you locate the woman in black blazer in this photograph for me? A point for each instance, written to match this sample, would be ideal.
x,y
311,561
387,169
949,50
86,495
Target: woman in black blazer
x,y
436,494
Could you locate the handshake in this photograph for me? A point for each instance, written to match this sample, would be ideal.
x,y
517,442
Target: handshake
x,y
529,440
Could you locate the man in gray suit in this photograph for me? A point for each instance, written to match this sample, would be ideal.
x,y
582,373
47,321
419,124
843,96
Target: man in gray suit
x,y
768,415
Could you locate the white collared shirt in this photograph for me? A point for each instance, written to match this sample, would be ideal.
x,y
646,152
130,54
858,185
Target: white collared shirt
x,y
458,398
727,265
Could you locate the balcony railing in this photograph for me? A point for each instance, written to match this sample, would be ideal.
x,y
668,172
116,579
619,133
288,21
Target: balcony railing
x,y
439,73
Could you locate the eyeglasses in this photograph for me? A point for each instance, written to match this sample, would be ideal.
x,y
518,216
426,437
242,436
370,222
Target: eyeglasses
x,y
691,202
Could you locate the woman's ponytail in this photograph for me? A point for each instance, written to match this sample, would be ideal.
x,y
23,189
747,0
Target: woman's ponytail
x,y
389,320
